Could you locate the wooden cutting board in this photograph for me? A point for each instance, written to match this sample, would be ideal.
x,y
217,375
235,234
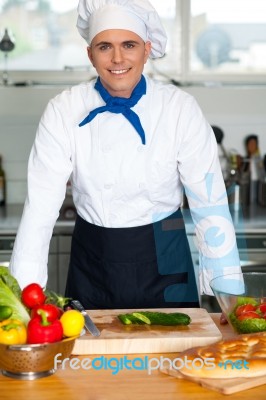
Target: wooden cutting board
x,y
224,386
117,338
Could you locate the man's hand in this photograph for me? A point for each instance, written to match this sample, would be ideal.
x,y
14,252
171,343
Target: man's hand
x,y
223,320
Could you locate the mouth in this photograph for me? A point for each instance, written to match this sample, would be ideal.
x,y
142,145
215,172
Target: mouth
x,y
119,71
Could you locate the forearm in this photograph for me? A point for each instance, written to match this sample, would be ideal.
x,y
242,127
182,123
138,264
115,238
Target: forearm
x,y
30,253
202,178
48,171
214,229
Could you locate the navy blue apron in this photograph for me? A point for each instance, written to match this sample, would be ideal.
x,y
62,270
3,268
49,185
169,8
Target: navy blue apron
x,y
147,266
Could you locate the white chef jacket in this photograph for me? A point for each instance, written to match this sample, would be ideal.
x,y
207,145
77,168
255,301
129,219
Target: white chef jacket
x,y
119,182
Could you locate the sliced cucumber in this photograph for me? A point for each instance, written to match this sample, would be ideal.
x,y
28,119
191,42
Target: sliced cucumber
x,y
155,318
128,319
142,317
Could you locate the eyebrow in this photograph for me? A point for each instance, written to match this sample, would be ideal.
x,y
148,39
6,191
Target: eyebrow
x,y
109,43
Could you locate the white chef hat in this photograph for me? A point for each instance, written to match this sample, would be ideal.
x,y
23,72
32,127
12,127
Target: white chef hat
x,y
138,16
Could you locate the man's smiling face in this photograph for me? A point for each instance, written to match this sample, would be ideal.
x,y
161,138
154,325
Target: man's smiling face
x,y
119,56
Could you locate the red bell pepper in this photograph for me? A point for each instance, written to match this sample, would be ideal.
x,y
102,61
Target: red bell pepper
x,y
40,330
52,312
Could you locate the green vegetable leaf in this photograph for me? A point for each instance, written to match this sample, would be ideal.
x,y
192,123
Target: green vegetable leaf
x,y
57,299
10,295
241,300
249,325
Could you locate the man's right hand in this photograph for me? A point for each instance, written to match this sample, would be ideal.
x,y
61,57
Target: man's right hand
x,y
223,319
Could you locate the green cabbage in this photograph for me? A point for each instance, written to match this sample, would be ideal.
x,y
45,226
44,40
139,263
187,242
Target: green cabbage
x,y
10,295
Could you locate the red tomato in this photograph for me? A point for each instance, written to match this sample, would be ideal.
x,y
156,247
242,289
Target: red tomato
x,y
244,308
52,312
262,307
33,295
248,315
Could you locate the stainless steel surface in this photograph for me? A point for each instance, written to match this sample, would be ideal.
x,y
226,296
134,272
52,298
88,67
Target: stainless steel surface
x,y
251,219
68,210
28,376
11,214
64,247
252,252
89,324
6,247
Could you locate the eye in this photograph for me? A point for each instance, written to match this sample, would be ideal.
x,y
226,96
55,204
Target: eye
x,y
104,47
129,45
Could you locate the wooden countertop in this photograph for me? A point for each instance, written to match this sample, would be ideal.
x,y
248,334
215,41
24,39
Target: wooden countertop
x,y
69,384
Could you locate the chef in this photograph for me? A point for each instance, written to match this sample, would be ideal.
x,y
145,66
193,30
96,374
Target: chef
x,y
130,146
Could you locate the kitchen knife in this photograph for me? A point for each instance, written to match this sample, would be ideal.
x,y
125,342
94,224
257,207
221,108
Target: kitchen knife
x,y
89,324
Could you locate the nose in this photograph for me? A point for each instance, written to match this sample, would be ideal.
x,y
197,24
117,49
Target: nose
x,y
117,56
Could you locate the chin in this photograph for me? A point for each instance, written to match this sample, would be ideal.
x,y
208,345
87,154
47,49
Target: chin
x,y
123,85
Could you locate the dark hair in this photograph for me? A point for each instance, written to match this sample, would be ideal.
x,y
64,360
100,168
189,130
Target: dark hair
x,y
251,137
218,133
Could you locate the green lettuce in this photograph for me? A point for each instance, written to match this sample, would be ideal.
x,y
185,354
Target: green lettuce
x,y
241,300
249,325
10,295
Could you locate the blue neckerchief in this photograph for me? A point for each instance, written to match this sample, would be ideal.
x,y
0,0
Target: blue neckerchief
x,y
121,105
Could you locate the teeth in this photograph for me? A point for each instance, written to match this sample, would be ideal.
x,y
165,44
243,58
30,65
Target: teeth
x,y
117,72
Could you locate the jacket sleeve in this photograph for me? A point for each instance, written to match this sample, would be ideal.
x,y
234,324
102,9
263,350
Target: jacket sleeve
x,y
201,175
49,168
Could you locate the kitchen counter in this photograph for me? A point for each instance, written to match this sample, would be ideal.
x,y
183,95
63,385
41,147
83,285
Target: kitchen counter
x,y
10,217
252,219
70,384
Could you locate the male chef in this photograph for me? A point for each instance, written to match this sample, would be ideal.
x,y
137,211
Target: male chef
x,y
130,145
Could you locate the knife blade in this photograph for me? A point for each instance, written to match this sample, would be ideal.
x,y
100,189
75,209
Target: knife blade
x,y
89,324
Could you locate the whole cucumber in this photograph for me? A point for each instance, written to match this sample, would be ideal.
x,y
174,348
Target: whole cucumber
x,y
5,312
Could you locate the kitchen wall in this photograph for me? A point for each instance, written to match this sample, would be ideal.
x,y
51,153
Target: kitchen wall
x,y
239,111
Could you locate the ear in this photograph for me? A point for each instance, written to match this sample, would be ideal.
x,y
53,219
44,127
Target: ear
x,y
89,52
147,51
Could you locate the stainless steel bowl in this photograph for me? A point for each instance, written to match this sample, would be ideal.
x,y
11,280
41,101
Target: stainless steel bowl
x,y
33,361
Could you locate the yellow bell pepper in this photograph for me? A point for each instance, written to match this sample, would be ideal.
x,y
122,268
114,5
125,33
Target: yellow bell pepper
x,y
13,331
